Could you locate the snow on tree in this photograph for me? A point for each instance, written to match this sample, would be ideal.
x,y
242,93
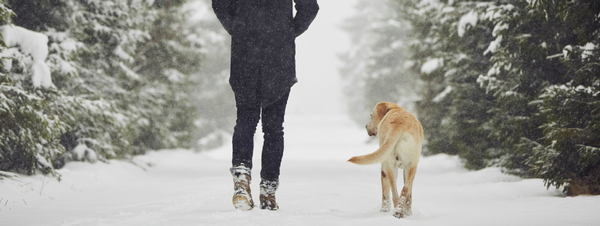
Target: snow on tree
x,y
431,65
33,44
466,21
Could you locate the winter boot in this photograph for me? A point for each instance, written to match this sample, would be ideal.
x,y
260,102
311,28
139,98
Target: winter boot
x,y
242,196
267,195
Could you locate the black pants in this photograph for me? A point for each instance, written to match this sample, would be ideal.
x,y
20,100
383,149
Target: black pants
x,y
272,127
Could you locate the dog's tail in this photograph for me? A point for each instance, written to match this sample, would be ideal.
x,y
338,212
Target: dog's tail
x,y
383,153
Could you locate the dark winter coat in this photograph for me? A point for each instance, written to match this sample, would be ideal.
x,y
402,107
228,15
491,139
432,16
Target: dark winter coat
x,y
263,46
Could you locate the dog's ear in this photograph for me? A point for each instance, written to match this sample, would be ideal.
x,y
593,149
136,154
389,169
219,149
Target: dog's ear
x,y
382,109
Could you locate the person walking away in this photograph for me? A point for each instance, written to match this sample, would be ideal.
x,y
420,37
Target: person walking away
x,y
263,70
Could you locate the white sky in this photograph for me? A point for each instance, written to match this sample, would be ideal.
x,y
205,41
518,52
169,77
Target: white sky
x,y
319,88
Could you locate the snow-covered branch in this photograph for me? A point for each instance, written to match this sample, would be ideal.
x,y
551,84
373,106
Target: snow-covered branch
x,y
33,44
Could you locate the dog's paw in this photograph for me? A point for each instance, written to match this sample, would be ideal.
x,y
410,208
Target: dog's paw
x,y
386,206
402,213
398,213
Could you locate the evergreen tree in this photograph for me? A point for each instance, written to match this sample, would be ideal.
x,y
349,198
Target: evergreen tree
x,y
105,36
545,98
468,116
167,62
448,41
29,138
569,152
520,72
124,71
431,63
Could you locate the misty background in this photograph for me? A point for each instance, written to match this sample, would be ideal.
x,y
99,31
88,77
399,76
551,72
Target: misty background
x,y
499,83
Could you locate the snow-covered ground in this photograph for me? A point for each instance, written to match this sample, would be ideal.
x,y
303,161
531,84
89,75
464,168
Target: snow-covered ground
x,y
318,187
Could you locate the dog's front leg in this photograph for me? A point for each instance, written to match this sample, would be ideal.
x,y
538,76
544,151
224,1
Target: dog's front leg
x,y
386,205
394,182
391,175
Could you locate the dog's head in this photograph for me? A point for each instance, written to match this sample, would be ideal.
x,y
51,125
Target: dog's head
x,y
377,115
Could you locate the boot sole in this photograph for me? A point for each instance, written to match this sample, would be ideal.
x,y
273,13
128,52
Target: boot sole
x,y
241,202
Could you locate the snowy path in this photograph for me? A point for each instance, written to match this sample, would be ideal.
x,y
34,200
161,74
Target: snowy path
x,y
318,187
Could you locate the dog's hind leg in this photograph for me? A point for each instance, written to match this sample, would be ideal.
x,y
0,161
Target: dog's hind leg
x,y
404,207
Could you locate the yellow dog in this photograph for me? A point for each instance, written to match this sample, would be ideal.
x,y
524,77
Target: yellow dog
x,y
400,140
